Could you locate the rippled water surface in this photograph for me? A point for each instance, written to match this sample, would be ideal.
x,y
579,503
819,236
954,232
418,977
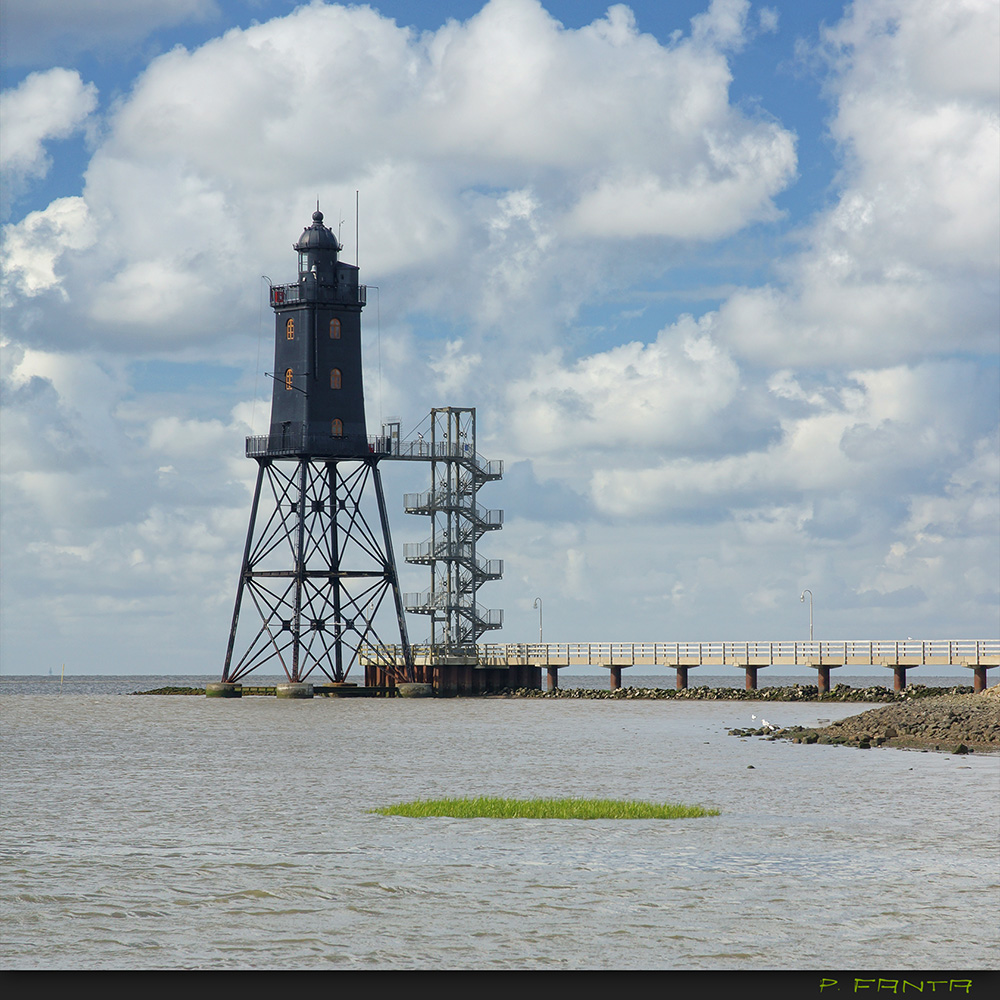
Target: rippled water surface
x,y
185,832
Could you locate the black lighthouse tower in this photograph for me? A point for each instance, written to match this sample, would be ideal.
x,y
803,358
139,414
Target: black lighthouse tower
x,y
318,567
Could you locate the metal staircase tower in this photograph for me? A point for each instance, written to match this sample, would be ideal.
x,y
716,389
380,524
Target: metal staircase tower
x,y
458,522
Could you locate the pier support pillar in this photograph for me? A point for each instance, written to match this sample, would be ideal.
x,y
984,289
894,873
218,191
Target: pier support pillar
x,y
445,681
616,678
751,678
899,677
552,673
682,678
979,683
823,679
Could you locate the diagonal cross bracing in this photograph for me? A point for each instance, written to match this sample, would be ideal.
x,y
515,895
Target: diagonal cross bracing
x,y
317,571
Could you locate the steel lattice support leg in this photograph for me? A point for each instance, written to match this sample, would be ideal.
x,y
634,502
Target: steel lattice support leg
x,y
243,572
317,571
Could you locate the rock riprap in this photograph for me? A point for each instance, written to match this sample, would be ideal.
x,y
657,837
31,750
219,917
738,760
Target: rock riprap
x,y
791,692
952,723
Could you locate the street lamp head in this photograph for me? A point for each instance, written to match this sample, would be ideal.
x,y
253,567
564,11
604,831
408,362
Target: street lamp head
x,y
802,598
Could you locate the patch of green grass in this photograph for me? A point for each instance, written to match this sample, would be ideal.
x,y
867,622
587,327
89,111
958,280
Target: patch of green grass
x,y
495,808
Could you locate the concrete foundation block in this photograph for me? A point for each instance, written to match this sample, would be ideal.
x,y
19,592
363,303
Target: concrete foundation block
x,y
414,690
293,690
221,690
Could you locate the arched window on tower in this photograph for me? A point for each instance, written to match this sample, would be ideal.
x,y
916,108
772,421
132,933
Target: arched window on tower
x,y
335,329
337,427
288,378
290,329
335,378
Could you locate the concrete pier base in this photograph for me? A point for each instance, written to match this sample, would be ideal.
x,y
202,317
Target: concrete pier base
x,y
823,679
751,675
899,677
293,690
979,681
616,678
682,678
552,678
414,690
223,690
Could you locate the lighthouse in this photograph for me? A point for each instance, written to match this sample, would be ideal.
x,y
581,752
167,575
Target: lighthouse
x,y
318,402
318,580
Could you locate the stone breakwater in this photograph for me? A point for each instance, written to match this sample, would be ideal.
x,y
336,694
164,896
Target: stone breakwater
x,y
952,723
796,692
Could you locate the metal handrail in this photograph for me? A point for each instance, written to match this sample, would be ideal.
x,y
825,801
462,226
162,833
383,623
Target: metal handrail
x,y
299,441
462,602
891,652
299,292
448,499
490,468
462,552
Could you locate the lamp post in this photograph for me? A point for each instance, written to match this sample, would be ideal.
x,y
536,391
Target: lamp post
x,y
538,604
801,599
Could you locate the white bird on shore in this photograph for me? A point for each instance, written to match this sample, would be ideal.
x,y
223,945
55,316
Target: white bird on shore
x,y
766,724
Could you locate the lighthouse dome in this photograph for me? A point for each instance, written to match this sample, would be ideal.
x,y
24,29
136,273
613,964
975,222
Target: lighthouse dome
x,y
317,236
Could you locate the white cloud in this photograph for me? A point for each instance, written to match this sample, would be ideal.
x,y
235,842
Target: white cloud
x,y
931,50
103,534
49,105
904,264
834,428
633,398
901,426
768,18
493,150
33,247
723,25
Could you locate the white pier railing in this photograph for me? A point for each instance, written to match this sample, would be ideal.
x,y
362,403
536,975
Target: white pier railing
x,y
832,653
908,652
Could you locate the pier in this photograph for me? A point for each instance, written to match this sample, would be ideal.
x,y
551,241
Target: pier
x,y
492,666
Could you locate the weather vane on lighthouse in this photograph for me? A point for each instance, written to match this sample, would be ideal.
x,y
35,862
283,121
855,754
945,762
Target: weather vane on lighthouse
x,y
318,567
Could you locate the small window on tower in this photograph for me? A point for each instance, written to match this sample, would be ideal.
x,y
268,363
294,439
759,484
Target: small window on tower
x,y
335,329
337,428
288,378
335,378
290,329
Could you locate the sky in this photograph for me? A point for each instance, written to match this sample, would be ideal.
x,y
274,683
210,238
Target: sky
x,y
720,278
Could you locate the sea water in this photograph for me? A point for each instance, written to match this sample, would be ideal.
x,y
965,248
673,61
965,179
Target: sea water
x,y
196,833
